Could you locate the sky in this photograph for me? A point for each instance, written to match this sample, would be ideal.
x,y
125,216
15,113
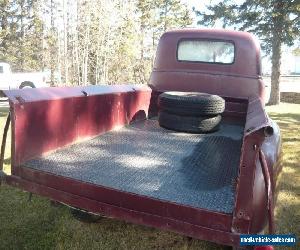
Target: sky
x,y
288,60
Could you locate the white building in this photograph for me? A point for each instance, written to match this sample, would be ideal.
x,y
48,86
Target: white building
x,y
296,65
290,64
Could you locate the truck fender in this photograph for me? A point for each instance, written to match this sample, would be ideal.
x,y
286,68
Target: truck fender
x,y
271,148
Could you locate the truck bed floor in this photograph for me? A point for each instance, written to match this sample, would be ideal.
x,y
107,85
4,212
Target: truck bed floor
x,y
145,159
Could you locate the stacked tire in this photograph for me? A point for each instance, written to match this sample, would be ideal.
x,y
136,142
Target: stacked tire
x,y
190,112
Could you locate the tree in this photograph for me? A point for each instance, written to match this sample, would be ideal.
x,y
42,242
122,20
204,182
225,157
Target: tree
x,y
20,34
172,14
155,18
276,22
7,29
87,41
50,38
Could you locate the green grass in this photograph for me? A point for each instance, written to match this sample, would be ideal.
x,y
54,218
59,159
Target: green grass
x,y
38,225
287,211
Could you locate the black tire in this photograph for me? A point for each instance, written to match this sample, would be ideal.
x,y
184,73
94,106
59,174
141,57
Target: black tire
x,y
26,84
54,203
190,124
191,103
85,216
243,248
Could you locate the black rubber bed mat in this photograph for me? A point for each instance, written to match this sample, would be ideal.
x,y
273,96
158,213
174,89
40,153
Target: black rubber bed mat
x,y
143,158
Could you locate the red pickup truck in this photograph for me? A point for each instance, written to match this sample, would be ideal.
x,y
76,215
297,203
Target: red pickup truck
x,y
101,149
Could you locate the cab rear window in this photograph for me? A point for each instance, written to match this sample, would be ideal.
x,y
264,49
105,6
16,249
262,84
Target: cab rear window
x,y
221,52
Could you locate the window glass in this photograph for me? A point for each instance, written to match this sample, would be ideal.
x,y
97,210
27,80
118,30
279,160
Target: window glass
x,y
1,69
205,51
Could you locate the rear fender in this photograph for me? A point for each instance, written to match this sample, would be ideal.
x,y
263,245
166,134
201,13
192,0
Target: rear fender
x,y
271,148
261,135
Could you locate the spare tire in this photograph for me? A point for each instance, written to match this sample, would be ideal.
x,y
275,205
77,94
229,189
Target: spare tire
x,y
191,103
191,124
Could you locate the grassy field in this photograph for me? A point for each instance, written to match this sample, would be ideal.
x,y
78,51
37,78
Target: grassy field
x,y
38,225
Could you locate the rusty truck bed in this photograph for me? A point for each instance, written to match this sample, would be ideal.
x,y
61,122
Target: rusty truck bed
x,y
213,186
143,158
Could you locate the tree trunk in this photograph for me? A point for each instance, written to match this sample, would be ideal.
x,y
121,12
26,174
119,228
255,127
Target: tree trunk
x,y
276,53
275,76
22,45
65,41
52,47
165,16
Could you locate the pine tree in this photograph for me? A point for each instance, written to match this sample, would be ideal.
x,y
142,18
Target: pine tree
x,y
8,29
20,34
157,17
276,22
172,14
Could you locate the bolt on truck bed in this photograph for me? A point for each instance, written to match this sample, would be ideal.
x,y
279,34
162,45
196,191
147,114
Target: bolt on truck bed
x,y
100,149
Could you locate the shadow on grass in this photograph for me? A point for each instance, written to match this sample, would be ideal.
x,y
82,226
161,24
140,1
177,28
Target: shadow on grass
x,y
287,211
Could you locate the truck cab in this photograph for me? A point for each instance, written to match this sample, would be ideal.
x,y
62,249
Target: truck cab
x,y
225,63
